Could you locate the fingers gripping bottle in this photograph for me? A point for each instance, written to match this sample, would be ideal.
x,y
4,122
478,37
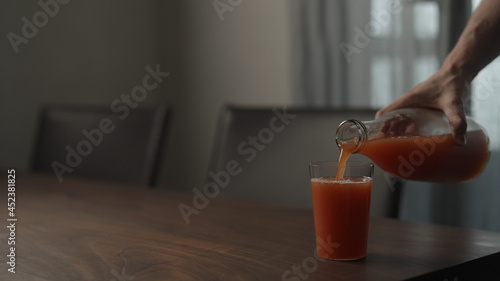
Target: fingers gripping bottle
x,y
417,144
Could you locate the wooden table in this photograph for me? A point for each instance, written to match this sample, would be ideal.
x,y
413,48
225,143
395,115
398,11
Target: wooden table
x,y
91,230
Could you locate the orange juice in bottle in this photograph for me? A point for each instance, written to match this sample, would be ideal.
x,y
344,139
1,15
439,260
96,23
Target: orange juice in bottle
x,y
417,144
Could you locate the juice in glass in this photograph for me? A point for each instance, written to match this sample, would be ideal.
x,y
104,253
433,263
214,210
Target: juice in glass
x,y
341,211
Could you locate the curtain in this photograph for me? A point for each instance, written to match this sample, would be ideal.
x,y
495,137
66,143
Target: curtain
x,y
322,75
364,53
367,53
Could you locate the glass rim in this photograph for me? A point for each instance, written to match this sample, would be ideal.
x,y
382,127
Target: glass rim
x,y
347,164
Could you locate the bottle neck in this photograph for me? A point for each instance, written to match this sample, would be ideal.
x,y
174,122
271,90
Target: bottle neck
x,y
351,134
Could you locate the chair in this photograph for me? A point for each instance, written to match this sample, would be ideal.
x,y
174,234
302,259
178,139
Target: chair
x,y
95,142
274,166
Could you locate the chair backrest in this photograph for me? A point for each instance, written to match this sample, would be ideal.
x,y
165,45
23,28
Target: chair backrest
x,y
95,142
273,149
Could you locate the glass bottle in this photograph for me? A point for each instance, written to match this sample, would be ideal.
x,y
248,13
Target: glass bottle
x,y
417,144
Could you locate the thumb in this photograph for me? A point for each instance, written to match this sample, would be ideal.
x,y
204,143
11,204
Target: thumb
x,y
458,124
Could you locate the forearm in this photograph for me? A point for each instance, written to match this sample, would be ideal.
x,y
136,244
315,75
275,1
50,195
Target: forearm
x,y
479,43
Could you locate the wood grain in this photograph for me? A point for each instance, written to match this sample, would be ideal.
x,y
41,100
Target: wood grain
x,y
89,230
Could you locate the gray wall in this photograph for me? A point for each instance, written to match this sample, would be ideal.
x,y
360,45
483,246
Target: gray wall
x,y
91,52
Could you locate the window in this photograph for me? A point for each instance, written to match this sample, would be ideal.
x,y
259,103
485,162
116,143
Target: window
x,y
404,52
485,98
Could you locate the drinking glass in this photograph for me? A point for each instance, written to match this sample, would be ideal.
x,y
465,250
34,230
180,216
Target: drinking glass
x,y
341,209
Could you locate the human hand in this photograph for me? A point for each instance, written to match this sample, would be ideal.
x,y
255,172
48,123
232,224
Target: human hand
x,y
444,91
400,125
